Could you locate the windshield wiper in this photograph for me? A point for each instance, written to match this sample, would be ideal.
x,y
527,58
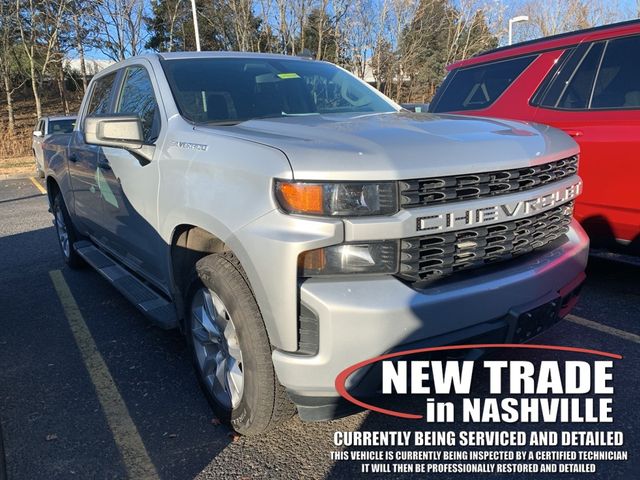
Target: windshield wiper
x,y
285,114
227,123
223,123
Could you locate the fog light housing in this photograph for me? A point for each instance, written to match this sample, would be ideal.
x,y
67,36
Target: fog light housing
x,y
350,258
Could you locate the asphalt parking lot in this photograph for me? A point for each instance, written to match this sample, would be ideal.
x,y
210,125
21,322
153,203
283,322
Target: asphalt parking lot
x,y
89,389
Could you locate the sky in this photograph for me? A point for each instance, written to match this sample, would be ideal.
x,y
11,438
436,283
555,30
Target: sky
x,y
624,10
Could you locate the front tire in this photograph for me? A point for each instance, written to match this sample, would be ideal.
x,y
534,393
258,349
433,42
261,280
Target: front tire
x,y
230,348
66,232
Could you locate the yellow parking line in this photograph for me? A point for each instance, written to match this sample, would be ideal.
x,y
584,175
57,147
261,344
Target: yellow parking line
x,y
38,185
134,455
632,337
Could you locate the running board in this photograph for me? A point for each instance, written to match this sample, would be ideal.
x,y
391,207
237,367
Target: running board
x,y
159,310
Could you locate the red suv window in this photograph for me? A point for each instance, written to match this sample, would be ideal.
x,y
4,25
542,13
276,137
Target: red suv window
x,y
601,75
571,89
618,82
478,87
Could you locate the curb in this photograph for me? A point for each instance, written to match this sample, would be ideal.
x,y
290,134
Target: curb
x,y
17,176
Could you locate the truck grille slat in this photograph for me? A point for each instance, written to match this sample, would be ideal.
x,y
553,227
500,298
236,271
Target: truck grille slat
x,y
432,257
432,191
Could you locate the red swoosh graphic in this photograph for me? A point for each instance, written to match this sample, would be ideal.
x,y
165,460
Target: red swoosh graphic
x,y
342,377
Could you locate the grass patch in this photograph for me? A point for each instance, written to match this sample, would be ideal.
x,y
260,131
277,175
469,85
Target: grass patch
x,y
17,165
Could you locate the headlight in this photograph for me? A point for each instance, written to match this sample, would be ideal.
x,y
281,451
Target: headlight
x,y
338,199
374,257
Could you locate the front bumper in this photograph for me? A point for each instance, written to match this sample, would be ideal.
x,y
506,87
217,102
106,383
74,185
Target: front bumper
x,y
362,318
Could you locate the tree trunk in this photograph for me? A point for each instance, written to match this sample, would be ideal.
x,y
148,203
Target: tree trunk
x,y
320,35
61,89
34,87
9,94
283,26
302,20
80,47
336,36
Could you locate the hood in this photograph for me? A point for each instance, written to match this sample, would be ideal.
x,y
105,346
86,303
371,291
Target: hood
x,y
395,146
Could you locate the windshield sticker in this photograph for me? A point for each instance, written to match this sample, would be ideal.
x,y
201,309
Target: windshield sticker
x,y
286,76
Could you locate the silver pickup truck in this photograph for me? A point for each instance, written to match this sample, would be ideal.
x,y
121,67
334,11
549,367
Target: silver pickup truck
x,y
292,221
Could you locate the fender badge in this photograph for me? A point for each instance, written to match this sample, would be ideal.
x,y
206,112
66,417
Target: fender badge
x,y
190,146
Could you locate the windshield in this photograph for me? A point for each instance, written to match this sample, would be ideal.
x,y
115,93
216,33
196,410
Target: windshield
x,y
61,126
233,90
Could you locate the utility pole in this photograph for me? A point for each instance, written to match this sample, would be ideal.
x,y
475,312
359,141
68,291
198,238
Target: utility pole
x,y
195,24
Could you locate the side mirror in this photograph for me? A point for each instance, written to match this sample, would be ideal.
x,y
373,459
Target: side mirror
x,y
120,132
37,133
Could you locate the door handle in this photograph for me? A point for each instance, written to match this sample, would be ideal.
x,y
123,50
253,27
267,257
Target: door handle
x,y
73,158
574,133
104,164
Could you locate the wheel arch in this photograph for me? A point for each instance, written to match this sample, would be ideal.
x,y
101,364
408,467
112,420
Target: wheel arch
x,y
189,243
52,188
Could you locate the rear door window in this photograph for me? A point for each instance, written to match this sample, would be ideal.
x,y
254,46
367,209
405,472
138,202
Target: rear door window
x,y
572,81
576,93
600,76
618,83
101,95
478,87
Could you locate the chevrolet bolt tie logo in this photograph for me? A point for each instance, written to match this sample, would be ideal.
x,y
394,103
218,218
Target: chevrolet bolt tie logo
x,y
499,213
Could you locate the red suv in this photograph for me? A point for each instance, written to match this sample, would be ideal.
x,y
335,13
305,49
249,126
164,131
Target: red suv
x,y
586,83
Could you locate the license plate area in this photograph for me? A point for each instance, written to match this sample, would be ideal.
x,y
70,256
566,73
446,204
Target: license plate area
x,y
527,324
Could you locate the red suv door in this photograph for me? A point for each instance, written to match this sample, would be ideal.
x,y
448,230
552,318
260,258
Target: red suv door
x,y
597,101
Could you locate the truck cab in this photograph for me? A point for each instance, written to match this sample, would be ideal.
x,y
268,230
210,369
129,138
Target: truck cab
x,y
53,125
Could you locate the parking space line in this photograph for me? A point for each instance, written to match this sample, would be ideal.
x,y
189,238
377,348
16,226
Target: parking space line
x,y
43,191
134,454
632,337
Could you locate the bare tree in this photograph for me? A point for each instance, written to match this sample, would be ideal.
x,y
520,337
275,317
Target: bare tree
x,y
402,14
340,10
550,17
39,24
58,65
381,44
322,18
284,31
120,23
9,62
242,18
301,10
83,28
359,35
267,27
470,28
174,14
291,21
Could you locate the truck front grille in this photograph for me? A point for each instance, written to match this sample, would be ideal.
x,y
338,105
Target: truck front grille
x,y
431,191
432,257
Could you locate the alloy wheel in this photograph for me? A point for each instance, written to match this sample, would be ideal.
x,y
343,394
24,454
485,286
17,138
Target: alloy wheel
x,y
61,229
217,348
